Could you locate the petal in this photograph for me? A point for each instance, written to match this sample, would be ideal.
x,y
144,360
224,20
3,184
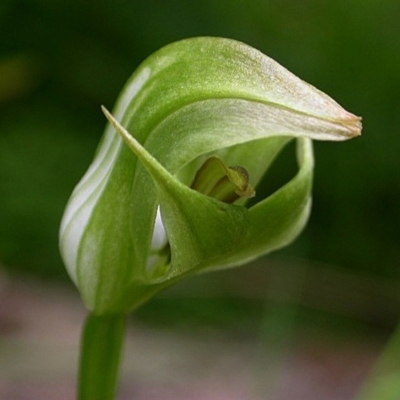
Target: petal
x,y
188,99
206,234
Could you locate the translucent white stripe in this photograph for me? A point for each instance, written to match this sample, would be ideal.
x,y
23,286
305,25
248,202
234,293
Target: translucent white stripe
x,y
89,189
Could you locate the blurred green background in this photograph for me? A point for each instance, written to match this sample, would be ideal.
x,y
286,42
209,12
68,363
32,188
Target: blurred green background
x,y
61,59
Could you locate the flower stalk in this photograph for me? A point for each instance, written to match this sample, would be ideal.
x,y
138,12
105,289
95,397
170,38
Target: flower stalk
x,y
101,348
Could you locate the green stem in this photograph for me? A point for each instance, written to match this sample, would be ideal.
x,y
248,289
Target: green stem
x,y
101,346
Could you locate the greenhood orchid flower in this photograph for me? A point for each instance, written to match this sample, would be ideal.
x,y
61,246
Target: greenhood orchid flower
x,y
194,130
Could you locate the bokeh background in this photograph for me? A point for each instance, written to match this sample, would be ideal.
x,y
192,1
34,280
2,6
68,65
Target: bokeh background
x,y
60,60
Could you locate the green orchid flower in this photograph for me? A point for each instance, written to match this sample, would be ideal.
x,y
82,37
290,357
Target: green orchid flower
x,y
195,129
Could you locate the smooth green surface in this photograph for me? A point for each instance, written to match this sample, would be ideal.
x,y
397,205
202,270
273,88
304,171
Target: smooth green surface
x,y
73,56
192,98
384,380
101,348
